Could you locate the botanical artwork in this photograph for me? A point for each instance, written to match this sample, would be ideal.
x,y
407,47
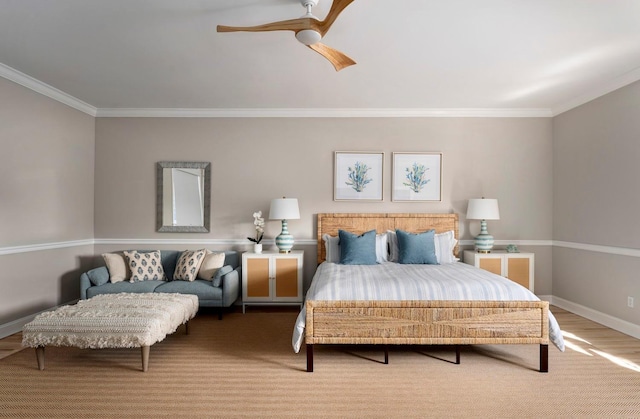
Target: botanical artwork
x,y
358,176
417,177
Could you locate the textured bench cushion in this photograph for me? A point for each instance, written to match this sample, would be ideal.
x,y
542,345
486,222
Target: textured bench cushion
x,y
112,321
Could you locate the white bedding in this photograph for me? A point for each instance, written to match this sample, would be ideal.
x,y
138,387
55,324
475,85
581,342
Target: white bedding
x,y
393,281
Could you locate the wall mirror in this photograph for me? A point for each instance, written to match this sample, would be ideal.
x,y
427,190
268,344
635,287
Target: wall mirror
x,y
183,197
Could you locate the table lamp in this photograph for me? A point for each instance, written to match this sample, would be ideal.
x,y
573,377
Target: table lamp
x,y
284,209
483,209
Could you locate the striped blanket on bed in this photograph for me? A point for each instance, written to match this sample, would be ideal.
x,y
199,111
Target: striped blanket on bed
x,y
393,281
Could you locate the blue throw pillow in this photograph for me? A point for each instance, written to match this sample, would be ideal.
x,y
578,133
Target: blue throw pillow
x,y
98,276
216,281
416,248
357,250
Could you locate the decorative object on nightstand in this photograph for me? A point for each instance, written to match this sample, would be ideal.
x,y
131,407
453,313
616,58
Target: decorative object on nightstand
x,y
284,209
512,248
272,278
258,223
518,267
483,209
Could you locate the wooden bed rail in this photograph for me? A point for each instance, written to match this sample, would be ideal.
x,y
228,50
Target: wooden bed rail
x,y
427,323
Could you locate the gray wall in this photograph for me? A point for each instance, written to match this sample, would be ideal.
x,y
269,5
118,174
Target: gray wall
x,y
46,196
257,159
596,202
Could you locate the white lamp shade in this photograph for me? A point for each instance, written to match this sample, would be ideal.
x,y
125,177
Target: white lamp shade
x,y
483,209
284,209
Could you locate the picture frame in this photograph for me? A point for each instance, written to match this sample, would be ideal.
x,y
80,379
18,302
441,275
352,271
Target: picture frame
x,y
358,176
416,177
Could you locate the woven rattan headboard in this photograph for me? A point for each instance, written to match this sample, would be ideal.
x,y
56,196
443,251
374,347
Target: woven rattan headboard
x,y
362,222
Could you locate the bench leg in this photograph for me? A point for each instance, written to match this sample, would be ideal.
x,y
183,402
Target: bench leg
x,y
40,357
145,358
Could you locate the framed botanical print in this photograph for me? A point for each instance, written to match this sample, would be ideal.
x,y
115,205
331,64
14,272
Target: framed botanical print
x,y
358,176
416,177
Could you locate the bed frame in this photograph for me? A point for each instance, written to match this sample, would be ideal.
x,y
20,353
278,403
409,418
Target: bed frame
x,y
419,322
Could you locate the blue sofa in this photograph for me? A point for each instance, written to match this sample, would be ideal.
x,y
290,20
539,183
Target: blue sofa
x,y
96,281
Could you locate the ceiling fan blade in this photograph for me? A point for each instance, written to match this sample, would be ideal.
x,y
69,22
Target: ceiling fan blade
x,y
284,25
336,8
335,57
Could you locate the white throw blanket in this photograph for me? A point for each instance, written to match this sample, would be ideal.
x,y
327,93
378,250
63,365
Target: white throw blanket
x,y
393,281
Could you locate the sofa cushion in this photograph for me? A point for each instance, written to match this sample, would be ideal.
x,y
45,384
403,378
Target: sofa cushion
x,y
203,289
211,263
145,266
98,276
188,265
118,266
124,286
169,259
217,279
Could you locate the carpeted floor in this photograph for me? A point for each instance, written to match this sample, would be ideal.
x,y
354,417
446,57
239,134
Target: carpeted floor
x,y
243,366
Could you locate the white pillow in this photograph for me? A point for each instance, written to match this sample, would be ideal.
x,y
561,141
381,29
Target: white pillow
x,y
392,238
382,250
210,265
444,244
117,266
332,248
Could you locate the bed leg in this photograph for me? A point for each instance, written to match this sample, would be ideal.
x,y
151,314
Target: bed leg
x,y
544,358
386,354
309,357
457,354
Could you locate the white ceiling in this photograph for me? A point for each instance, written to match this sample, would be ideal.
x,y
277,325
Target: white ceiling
x,y
532,55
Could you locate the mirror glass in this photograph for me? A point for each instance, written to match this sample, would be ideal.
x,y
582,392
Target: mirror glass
x,y
183,197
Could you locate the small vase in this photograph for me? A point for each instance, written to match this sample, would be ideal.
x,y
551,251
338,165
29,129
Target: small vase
x,y
257,248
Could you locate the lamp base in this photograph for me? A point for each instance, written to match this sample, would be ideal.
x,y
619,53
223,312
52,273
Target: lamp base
x,y
484,240
284,241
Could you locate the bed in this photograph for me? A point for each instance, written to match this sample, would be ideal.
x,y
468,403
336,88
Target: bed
x,y
385,304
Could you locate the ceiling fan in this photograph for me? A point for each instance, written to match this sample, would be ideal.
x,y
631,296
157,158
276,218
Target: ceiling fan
x,y
309,30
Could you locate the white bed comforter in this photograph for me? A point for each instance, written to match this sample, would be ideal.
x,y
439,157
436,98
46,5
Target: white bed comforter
x,y
393,281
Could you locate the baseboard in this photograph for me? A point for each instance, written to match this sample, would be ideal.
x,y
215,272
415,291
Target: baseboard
x,y
614,323
16,326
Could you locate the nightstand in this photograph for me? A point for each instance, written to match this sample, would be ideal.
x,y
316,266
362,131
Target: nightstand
x,y
272,278
518,267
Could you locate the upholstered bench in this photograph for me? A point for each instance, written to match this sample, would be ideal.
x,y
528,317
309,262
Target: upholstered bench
x,y
111,321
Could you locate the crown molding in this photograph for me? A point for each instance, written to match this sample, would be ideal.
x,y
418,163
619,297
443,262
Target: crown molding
x,y
323,113
614,84
46,90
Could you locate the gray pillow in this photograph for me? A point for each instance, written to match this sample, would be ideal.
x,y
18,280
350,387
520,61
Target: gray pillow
x,y
99,276
416,248
357,250
217,279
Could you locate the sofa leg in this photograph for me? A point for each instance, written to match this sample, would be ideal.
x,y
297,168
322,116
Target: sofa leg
x,y
220,313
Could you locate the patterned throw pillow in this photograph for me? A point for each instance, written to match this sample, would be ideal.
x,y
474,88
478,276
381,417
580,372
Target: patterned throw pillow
x,y
188,265
145,266
211,263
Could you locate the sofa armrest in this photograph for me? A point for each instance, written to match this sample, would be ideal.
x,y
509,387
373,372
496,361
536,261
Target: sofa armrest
x,y
85,283
230,287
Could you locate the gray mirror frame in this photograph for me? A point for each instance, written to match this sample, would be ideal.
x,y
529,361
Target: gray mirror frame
x,y
159,196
